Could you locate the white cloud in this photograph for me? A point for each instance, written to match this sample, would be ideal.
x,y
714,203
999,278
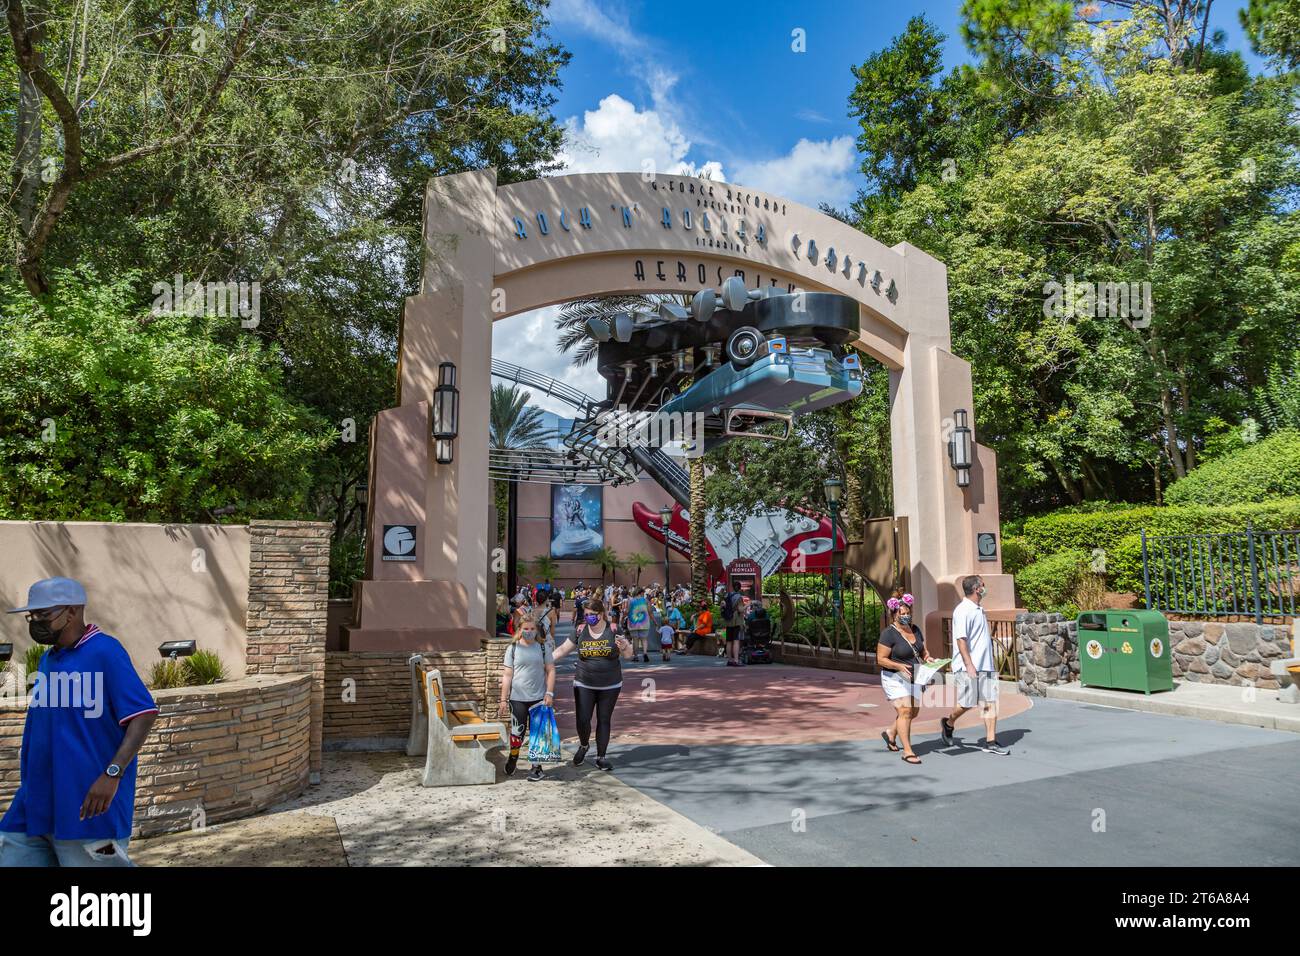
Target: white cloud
x,y
596,22
813,172
617,137
528,340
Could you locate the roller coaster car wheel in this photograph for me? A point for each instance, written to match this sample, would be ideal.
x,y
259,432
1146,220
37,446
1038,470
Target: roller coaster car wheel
x,y
744,346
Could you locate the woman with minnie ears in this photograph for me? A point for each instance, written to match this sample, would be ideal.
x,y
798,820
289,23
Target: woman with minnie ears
x,y
901,648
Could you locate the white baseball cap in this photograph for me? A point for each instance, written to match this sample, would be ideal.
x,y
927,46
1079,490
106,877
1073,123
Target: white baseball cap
x,y
53,592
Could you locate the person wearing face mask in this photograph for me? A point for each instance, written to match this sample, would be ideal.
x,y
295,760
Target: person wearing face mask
x,y
597,679
527,679
901,648
88,716
973,669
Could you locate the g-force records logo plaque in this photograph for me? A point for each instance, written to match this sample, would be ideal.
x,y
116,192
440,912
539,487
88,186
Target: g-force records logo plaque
x,y
399,542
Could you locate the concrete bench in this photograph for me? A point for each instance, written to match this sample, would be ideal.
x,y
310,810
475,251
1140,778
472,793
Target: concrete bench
x,y
454,739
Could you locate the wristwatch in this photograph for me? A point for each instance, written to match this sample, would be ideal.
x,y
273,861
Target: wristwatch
x,y
113,770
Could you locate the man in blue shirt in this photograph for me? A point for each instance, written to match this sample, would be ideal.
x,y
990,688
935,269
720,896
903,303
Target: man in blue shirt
x,y
88,715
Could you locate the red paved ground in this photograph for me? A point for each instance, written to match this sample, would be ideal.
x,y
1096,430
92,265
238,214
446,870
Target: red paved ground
x,y
714,704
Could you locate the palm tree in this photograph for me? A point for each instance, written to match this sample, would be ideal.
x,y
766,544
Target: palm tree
x,y
638,562
699,549
607,560
545,567
513,424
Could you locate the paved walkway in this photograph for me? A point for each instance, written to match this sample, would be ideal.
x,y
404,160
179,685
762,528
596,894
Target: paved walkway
x,y
784,765
699,700
370,810
1168,790
1230,705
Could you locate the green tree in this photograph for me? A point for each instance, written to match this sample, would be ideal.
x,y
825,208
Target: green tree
x,y
1139,168
109,413
1273,27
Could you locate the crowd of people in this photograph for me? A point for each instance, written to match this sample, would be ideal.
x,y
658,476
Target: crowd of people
x,y
610,624
616,623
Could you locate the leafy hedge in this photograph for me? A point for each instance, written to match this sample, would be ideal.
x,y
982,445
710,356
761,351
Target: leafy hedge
x,y
1050,584
1117,532
1268,468
1017,553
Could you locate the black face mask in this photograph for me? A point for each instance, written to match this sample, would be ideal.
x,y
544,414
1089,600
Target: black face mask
x,y
42,632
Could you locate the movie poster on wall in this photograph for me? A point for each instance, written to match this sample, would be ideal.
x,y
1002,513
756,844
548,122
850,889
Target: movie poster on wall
x,y
576,530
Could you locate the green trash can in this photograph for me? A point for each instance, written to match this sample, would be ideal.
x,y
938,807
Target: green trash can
x,y
1126,650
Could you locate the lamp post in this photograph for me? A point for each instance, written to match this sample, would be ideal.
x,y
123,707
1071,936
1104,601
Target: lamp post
x,y
736,528
665,516
362,493
834,488
446,413
960,449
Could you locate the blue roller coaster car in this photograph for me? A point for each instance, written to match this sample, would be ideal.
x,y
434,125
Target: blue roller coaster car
x,y
782,382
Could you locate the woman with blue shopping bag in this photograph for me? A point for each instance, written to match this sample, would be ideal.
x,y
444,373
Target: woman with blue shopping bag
x,y
528,680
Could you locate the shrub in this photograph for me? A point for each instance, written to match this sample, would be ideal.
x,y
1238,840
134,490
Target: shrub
x,y
34,655
1017,552
203,667
1116,534
166,674
1053,583
796,582
1269,468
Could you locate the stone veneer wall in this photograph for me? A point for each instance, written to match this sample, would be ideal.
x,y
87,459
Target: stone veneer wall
x,y
1232,653
288,606
376,707
1048,647
215,753
1205,651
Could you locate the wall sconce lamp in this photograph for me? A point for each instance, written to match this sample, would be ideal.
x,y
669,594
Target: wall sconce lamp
x,y
446,413
960,450
174,649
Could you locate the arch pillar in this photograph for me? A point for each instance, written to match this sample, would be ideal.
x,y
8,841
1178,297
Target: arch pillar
x,y
439,600
943,519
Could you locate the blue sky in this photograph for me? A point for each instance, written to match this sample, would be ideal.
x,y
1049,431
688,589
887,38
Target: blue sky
x,y
717,84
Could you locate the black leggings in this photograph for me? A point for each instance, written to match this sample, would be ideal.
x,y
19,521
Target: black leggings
x,y
586,700
519,723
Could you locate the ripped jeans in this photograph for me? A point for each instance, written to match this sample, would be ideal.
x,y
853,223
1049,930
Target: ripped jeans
x,y
19,849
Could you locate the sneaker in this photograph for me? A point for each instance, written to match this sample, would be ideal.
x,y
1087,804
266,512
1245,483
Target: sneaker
x,y
511,762
945,730
604,764
645,658
580,756
993,747
535,774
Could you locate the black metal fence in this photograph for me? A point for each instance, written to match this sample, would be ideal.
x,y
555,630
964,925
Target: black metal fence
x,y
1239,574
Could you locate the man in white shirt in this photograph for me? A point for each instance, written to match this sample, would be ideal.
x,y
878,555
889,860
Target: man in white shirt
x,y
974,671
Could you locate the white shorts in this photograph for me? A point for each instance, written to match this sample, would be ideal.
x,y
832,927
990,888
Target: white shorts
x,y
973,691
897,687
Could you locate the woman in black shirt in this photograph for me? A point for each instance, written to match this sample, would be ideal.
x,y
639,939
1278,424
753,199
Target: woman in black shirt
x,y
901,648
597,679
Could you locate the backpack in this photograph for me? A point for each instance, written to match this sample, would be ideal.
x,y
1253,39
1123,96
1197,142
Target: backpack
x,y
731,611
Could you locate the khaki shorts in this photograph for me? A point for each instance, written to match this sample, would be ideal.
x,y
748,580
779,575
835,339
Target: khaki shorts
x,y
973,691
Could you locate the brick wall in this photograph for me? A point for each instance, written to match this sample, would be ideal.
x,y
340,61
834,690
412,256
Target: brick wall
x,y
215,753
377,702
288,600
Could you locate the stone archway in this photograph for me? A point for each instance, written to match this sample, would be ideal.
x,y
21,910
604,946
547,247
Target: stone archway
x,y
494,251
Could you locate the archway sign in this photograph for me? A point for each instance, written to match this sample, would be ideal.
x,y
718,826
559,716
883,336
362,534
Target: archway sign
x,y
493,251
